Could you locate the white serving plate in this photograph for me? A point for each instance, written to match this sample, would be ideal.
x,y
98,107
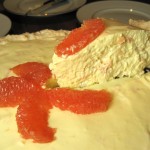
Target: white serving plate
x,y
120,10
5,25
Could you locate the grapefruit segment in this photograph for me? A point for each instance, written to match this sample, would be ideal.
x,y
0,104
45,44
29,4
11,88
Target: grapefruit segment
x,y
80,37
14,89
36,72
80,102
32,120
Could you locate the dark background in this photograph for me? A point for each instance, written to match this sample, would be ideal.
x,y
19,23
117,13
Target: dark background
x,y
21,24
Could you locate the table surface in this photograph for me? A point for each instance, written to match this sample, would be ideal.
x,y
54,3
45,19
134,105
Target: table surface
x,y
21,24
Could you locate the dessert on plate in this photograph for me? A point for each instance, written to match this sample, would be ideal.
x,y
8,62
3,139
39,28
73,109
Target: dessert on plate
x,y
127,120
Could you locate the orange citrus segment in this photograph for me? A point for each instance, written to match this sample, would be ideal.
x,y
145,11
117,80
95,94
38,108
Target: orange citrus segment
x,y
36,72
80,102
14,89
80,37
32,120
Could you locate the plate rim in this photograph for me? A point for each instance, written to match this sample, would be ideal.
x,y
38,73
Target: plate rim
x,y
9,24
96,4
82,2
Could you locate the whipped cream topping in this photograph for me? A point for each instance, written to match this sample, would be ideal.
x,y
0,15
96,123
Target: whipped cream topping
x,y
17,49
121,50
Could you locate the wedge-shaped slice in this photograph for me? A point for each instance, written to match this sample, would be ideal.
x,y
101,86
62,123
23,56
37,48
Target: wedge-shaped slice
x,y
120,50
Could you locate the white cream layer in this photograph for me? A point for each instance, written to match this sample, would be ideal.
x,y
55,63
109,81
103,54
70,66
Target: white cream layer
x,y
17,49
119,51
125,126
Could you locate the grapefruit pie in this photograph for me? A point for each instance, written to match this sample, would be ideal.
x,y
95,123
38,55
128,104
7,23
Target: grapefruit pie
x,y
86,89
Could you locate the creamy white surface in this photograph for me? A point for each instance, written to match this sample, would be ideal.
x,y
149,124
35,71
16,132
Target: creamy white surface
x,y
16,49
125,126
119,51
120,128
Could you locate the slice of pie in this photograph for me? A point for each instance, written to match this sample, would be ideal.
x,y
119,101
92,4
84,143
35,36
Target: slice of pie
x,y
119,51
